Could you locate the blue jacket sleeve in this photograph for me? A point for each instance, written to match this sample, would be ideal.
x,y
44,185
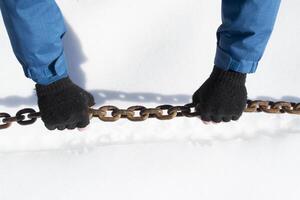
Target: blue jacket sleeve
x,y
35,29
244,33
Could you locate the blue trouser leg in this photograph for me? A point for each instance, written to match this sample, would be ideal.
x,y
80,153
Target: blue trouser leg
x,y
35,29
244,33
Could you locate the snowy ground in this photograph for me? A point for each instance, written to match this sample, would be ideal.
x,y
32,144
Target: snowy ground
x,y
113,47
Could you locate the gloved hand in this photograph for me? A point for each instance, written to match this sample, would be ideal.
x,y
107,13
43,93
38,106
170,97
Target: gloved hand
x,y
222,97
63,105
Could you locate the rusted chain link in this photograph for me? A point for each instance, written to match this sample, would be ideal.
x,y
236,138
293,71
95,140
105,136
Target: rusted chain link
x,y
111,113
273,107
24,117
141,113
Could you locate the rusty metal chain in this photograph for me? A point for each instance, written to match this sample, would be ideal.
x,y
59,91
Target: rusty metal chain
x,y
24,117
111,113
141,113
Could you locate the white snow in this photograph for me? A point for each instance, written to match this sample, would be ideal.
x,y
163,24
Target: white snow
x,y
154,52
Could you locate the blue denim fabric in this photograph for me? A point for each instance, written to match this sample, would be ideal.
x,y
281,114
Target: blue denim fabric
x,y
35,29
244,33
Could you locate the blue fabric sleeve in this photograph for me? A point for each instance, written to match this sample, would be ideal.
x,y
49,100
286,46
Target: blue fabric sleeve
x,y
35,29
246,28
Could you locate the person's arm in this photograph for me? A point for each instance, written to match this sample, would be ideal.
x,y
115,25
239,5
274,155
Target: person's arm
x,y
241,41
35,29
246,28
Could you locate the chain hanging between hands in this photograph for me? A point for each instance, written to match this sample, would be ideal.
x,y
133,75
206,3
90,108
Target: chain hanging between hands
x,y
110,113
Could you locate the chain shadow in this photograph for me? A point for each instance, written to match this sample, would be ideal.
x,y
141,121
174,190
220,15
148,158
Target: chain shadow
x,y
283,98
104,96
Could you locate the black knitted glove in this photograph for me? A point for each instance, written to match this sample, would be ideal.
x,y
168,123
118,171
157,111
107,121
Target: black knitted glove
x,y
222,97
64,105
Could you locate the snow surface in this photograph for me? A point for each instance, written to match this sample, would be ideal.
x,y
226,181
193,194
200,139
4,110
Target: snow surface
x,y
151,53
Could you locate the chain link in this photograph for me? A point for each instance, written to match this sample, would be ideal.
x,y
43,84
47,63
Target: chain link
x,y
24,117
138,113
273,107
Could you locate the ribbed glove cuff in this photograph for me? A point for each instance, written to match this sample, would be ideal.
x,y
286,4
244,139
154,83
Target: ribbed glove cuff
x,y
59,85
228,76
